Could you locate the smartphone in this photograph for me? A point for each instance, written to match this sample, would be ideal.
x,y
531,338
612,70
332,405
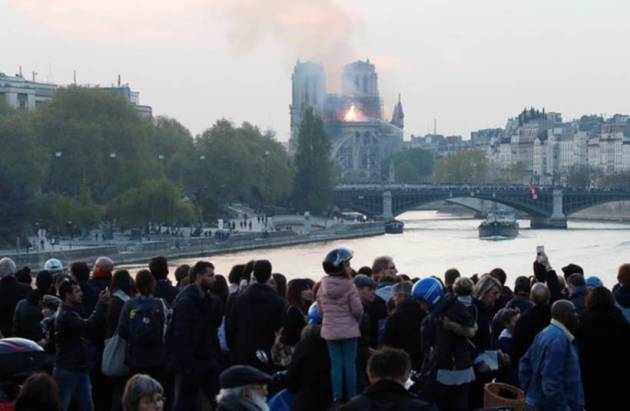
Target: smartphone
x,y
540,249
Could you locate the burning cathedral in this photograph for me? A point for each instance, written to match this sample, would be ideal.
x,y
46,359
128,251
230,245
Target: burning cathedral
x,y
361,139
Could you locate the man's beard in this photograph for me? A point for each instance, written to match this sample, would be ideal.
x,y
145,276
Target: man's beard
x,y
259,401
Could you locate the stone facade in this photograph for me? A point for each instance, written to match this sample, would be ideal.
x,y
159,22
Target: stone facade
x,y
361,139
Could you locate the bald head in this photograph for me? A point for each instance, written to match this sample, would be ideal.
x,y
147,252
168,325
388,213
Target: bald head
x,y
540,294
564,311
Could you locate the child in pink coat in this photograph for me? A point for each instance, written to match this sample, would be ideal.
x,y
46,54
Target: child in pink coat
x,y
341,309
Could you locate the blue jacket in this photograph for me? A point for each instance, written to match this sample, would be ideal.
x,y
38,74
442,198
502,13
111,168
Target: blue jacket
x,y
550,372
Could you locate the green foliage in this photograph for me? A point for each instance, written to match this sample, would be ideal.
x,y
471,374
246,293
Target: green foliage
x,y
61,213
239,163
155,201
86,126
468,167
313,184
86,156
410,166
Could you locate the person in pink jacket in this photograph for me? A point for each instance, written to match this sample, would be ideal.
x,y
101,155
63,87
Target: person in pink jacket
x,y
341,308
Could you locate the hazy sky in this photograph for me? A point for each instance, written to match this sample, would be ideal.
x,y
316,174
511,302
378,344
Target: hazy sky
x,y
468,63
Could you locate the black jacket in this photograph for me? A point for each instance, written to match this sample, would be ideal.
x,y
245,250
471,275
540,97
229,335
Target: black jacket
x,y
308,376
191,340
89,299
447,331
527,328
402,330
377,310
602,341
386,396
166,291
483,338
253,318
578,298
28,316
70,336
11,292
293,325
112,315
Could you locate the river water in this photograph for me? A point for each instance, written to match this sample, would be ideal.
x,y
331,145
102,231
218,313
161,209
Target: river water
x,y
433,242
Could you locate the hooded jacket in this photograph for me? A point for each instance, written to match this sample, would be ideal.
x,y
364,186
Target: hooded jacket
x,y
341,308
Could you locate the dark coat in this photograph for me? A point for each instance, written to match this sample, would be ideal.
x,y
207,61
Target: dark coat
x,y
527,327
89,299
28,317
232,403
192,343
602,343
523,305
402,330
447,329
70,336
11,292
293,325
101,283
377,310
253,318
166,291
386,396
484,315
578,298
113,315
308,376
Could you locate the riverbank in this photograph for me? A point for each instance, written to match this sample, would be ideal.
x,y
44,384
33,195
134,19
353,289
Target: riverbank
x,y
174,248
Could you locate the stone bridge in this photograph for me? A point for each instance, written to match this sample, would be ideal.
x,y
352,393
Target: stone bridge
x,y
548,207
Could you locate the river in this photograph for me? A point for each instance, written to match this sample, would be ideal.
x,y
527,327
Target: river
x,y
433,242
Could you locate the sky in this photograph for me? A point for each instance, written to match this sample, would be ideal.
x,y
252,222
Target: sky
x,y
469,64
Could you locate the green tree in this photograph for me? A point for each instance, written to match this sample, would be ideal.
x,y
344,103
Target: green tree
x,y
313,184
239,163
154,201
468,167
410,166
22,170
94,139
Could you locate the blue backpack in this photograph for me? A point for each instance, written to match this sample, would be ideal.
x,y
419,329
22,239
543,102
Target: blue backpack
x,y
146,333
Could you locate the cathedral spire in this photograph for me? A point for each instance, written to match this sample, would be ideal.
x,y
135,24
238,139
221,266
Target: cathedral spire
x,y
398,116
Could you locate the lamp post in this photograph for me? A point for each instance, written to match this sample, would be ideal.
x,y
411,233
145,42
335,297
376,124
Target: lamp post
x,y
161,158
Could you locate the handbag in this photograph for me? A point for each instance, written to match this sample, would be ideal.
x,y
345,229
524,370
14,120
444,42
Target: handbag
x,y
113,361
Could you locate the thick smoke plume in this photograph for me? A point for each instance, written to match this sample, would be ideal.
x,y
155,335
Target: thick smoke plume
x,y
320,30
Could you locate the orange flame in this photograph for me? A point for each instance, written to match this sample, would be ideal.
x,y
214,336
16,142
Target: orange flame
x,y
351,114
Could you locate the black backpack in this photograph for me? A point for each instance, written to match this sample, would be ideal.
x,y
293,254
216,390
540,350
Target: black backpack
x,y
146,334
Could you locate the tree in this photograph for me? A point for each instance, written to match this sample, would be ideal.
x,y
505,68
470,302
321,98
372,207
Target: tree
x,y
468,167
239,163
410,166
94,139
313,184
582,176
22,169
155,201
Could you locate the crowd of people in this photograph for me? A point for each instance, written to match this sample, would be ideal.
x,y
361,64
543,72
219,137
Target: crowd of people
x,y
364,339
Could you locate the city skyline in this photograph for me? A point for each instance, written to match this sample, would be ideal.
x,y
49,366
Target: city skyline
x,y
470,65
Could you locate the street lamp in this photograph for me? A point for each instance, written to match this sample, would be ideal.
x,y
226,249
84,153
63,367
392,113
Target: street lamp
x,y
58,154
202,157
112,155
